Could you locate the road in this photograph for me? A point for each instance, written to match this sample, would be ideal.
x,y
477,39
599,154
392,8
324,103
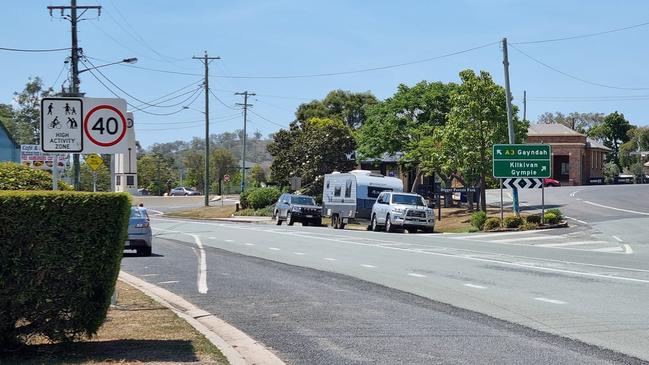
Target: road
x,y
323,296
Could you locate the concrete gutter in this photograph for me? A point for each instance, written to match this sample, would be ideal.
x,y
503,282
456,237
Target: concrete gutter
x,y
236,346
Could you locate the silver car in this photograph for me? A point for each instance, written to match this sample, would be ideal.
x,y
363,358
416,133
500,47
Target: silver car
x,y
402,210
183,191
139,233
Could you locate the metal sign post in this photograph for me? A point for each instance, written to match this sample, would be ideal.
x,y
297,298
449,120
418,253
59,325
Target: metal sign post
x,y
94,181
543,204
501,199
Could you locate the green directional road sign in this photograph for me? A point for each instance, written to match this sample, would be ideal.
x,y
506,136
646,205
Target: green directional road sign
x,y
522,160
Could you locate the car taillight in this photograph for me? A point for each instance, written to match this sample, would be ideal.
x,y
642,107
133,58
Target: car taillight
x,y
142,225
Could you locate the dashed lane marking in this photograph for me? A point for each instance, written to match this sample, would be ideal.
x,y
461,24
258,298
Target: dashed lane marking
x,y
553,301
149,275
368,266
474,286
617,238
249,244
169,282
577,220
416,275
274,248
299,253
229,240
330,259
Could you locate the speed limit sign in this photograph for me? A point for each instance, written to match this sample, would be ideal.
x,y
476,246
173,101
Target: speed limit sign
x,y
105,126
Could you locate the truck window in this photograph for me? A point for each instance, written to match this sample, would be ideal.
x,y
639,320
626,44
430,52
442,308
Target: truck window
x,y
348,188
374,191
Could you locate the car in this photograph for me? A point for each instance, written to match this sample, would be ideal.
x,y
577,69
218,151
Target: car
x,y
183,191
293,208
551,182
139,233
402,210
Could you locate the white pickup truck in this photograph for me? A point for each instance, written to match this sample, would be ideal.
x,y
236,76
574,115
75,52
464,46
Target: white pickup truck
x,y
402,210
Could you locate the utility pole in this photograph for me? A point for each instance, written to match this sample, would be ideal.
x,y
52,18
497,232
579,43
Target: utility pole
x,y
206,62
510,121
73,17
524,105
245,122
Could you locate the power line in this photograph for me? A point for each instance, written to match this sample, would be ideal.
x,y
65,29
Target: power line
x,y
266,119
573,76
65,66
34,49
221,101
587,35
175,91
182,102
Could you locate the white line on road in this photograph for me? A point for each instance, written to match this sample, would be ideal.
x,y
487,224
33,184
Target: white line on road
x,y
299,253
577,220
169,282
229,240
610,249
475,286
627,249
553,301
330,259
617,238
368,266
212,238
149,275
614,208
202,266
574,243
536,238
416,275
249,244
487,235
274,248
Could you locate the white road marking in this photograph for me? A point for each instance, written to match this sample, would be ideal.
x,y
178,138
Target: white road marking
x,y
169,282
575,192
574,243
627,249
299,253
149,275
617,238
475,286
229,240
274,248
416,275
488,235
553,301
463,257
212,238
577,220
156,212
610,249
202,271
249,244
614,208
330,259
537,238
201,280
368,266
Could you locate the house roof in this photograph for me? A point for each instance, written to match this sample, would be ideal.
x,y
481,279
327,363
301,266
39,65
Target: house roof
x,y
593,144
551,130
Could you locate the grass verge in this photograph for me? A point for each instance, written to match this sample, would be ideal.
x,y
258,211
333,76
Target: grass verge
x,y
137,331
215,211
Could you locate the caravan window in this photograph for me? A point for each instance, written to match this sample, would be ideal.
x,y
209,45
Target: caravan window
x,y
337,191
348,188
374,191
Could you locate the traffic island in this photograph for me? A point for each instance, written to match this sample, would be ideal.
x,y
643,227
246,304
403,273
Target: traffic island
x,y
137,331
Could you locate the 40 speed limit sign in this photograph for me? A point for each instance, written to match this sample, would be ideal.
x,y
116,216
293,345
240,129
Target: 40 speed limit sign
x,y
105,126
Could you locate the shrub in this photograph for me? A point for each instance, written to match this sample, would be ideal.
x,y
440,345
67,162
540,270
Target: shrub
x,y
478,219
528,226
243,198
534,219
551,218
263,197
512,221
60,258
249,212
491,224
15,176
556,212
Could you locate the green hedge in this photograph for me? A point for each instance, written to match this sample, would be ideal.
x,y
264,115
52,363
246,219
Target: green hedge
x,y
263,197
60,256
491,224
478,219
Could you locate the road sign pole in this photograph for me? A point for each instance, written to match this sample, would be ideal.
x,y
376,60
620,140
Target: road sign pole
x,y
55,173
501,199
94,182
543,204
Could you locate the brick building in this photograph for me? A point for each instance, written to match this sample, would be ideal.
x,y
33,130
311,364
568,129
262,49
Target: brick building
x,y
576,159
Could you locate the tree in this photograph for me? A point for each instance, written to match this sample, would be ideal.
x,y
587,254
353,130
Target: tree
x,y
613,132
346,106
156,173
580,122
25,124
317,147
405,123
258,175
478,119
225,163
638,142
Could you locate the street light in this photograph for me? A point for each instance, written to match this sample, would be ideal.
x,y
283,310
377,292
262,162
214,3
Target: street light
x,y
131,60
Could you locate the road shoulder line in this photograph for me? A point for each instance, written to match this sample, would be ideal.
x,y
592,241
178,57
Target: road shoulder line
x,y
238,347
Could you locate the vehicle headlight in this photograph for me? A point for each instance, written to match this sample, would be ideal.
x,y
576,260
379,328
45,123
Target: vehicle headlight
x,y
295,209
398,210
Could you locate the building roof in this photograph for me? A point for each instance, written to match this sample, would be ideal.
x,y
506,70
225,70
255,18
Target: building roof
x,y
6,131
551,130
593,144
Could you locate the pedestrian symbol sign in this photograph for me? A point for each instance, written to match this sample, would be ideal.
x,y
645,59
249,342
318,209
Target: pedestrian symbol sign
x,y
61,125
94,161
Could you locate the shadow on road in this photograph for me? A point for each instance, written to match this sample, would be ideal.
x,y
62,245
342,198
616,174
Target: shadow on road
x,y
134,254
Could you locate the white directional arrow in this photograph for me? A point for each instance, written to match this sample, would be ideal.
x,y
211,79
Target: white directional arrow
x,y
499,152
543,168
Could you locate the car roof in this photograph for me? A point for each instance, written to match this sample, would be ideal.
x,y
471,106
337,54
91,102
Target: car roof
x,y
400,193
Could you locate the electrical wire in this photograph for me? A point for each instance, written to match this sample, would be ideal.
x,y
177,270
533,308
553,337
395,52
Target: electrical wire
x,y
266,119
221,101
587,35
65,66
573,76
34,50
182,102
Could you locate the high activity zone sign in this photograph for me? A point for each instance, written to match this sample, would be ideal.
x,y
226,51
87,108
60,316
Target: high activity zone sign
x,y
522,160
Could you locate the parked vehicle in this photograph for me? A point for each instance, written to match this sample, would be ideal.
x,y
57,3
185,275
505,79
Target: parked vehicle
x,y
139,233
293,208
349,197
183,191
551,182
402,210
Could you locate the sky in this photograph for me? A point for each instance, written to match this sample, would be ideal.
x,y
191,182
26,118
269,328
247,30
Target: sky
x,y
263,45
